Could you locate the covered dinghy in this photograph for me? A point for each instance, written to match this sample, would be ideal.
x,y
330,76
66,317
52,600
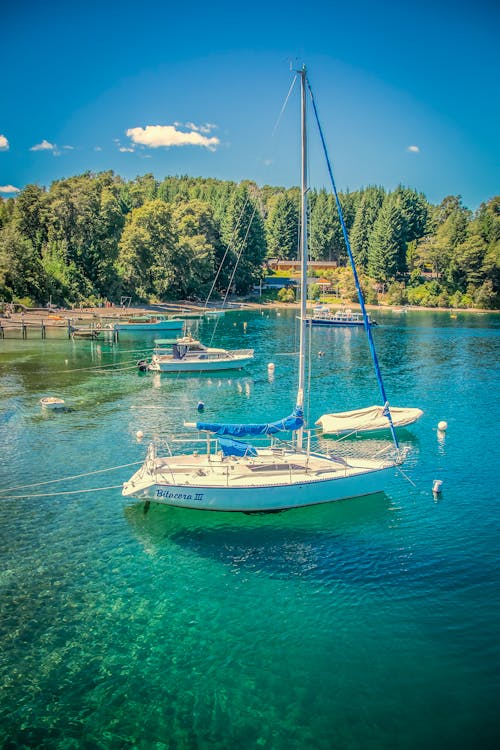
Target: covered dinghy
x,y
366,420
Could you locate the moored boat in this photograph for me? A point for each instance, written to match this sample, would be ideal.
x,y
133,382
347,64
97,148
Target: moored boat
x,y
86,333
187,354
292,472
51,402
150,323
370,419
323,315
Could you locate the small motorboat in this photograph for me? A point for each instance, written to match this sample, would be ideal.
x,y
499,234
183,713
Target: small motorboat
x,y
51,402
189,355
86,333
149,323
324,316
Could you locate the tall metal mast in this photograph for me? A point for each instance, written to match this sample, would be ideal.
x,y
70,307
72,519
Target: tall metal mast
x,y
303,252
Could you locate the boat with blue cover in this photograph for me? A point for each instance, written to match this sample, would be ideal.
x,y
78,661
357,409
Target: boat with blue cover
x,y
273,465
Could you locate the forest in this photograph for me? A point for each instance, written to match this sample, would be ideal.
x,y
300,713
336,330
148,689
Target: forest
x,y
94,238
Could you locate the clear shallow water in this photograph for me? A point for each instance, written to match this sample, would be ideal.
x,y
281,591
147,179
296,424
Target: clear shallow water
x,y
370,623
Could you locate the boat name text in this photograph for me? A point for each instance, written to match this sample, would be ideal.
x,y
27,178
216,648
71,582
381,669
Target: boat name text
x,y
167,494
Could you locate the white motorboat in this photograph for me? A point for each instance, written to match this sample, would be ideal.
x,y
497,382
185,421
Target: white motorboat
x,y
239,475
371,419
190,355
323,315
149,323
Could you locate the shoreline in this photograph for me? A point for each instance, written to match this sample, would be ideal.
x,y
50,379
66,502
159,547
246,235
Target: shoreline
x,y
60,316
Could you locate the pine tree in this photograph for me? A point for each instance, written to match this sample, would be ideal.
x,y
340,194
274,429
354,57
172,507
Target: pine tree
x,y
242,231
386,241
366,215
282,227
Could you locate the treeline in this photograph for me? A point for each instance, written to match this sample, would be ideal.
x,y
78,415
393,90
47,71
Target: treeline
x,y
96,237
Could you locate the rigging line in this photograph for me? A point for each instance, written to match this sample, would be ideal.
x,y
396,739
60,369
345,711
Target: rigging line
x,y
406,476
284,105
99,367
234,269
67,492
309,374
228,248
355,273
66,479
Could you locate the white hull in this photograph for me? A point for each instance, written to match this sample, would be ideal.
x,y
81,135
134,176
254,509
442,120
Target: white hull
x,y
202,365
234,487
161,325
50,402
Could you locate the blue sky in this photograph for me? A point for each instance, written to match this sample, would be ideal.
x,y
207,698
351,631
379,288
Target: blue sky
x,y
407,94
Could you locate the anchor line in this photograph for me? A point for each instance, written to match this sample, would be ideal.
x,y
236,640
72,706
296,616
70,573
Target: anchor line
x,y
67,479
64,492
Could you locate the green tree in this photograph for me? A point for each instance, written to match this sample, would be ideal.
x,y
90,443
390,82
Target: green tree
x,y
387,243
282,227
21,273
326,241
198,239
148,253
242,231
366,215
30,215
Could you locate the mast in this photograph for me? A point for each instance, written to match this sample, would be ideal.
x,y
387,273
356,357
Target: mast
x,y
303,251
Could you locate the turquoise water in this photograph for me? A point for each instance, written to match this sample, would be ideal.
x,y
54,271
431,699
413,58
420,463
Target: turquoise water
x,y
369,623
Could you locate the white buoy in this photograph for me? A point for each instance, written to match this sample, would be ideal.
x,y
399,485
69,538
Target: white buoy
x,y
139,434
436,486
442,426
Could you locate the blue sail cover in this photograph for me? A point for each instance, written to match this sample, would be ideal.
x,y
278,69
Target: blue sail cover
x,y
231,447
294,422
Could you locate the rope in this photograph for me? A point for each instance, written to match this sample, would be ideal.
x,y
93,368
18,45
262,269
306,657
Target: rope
x,y
67,492
406,476
235,266
284,104
101,367
355,273
66,479
228,248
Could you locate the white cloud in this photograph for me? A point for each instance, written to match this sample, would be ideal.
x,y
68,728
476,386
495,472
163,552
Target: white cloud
x,y
124,149
4,143
206,128
43,146
69,148
156,136
414,149
9,189
97,148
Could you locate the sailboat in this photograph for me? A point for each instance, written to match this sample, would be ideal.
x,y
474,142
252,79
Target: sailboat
x,y
238,475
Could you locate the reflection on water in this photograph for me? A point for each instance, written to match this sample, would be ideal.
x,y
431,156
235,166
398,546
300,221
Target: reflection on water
x,y
343,625
320,542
